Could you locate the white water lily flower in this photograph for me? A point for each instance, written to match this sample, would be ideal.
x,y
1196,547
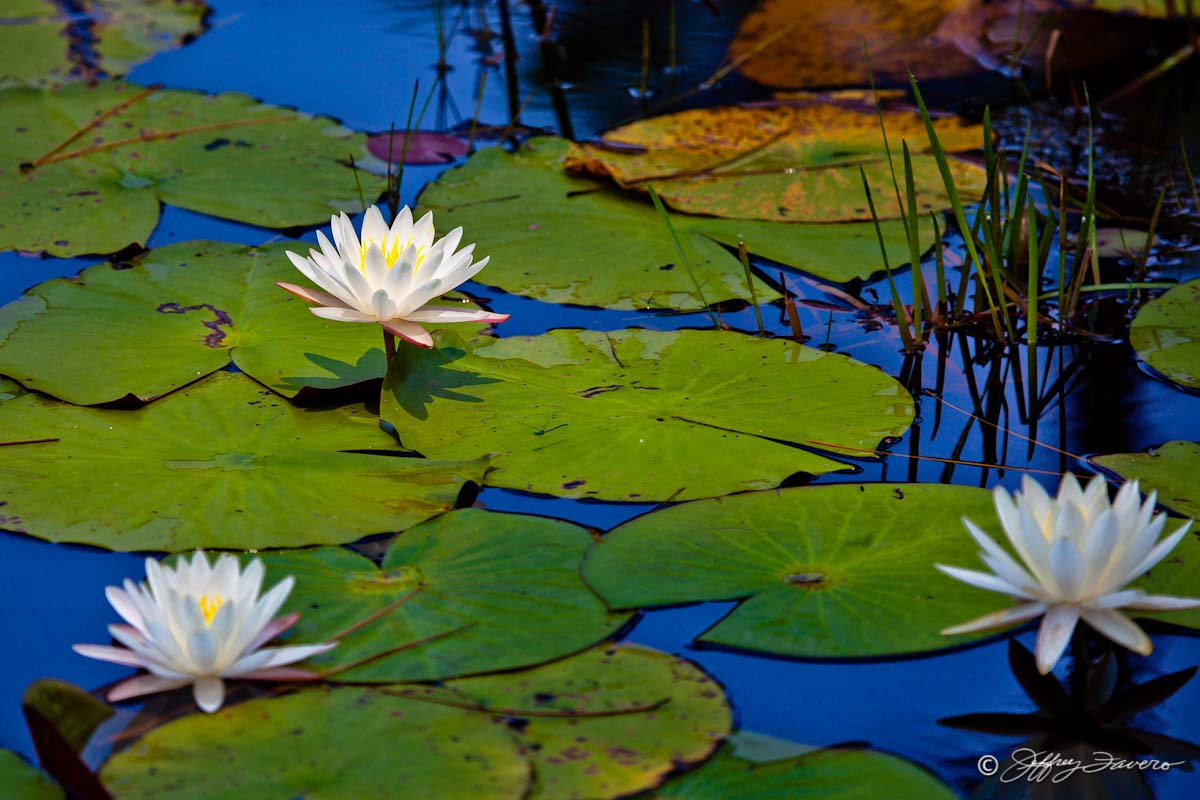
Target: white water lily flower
x,y
1079,551
389,275
197,624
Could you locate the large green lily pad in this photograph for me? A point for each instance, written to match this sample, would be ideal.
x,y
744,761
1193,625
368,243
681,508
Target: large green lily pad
x,y
40,45
224,155
492,591
829,571
606,723
222,463
831,774
791,162
1166,334
21,781
203,305
567,239
639,415
345,743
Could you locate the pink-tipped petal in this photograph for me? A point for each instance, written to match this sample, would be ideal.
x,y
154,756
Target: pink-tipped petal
x,y
410,332
451,314
113,655
140,685
273,629
314,296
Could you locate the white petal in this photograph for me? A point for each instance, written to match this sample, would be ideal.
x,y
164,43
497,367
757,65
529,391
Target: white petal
x,y
1067,566
341,314
1119,628
1160,551
1054,634
1001,562
998,619
202,648
983,580
1098,548
1162,602
328,281
209,693
125,606
374,229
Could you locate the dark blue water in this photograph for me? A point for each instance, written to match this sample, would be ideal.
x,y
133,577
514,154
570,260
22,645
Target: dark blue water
x,y
357,63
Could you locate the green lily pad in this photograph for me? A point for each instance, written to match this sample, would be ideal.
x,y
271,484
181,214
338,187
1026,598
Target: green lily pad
x,y
1166,334
606,723
224,155
830,774
828,571
1173,471
222,463
22,781
204,305
639,415
492,592
346,743
567,239
787,162
40,45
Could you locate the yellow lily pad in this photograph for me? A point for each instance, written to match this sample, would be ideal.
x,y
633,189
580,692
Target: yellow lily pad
x,y
787,162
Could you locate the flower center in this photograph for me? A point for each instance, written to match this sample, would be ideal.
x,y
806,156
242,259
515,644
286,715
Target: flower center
x,y
391,254
210,604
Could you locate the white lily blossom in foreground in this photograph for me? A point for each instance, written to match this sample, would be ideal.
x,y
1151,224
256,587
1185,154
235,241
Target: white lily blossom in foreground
x,y
389,275
1078,551
198,624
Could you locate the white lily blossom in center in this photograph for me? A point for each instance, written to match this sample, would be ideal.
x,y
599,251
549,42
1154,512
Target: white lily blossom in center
x,y
1078,552
197,624
389,275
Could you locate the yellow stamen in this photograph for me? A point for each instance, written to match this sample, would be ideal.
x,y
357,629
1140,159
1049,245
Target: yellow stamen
x,y
210,604
390,255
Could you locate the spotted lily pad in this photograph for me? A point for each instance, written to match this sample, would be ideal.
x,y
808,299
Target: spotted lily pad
x,y
829,571
1166,334
639,415
791,162
21,781
204,305
222,463
489,591
568,239
345,743
830,774
606,723
41,45
84,168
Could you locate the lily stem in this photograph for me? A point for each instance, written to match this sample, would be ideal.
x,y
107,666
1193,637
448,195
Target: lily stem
x,y
389,346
